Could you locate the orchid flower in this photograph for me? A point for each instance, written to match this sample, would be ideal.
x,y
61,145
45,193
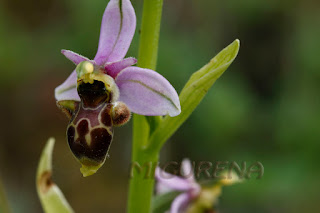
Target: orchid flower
x,y
188,186
193,198
100,93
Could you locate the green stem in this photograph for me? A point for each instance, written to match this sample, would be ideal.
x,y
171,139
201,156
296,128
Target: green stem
x,y
150,30
141,187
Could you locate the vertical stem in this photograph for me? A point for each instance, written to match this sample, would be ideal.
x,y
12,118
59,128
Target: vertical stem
x,y
150,30
141,188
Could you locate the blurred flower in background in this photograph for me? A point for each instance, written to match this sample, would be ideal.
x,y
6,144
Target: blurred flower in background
x,y
193,197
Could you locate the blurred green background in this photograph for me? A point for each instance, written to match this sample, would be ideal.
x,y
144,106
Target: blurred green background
x,y
265,108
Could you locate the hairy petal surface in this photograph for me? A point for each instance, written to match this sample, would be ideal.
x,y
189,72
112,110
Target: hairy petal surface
x,y
114,68
117,30
146,92
68,89
179,203
74,57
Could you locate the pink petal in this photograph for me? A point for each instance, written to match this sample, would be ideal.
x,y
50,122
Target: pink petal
x,y
162,188
117,30
172,182
146,92
179,203
74,57
187,169
68,90
114,68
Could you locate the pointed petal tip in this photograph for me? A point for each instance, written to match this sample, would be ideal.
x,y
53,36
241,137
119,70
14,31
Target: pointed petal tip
x,y
133,60
52,199
89,166
89,170
45,163
236,44
74,57
113,68
117,29
176,112
187,167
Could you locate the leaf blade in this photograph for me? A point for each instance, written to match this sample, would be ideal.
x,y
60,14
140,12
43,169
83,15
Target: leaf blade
x,y
193,93
51,197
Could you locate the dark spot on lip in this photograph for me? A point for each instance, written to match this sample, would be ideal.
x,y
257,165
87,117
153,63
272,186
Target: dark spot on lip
x,y
83,128
100,142
92,95
98,148
45,182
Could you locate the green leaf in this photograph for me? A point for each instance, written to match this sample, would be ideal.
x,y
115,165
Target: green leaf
x,y
193,92
51,197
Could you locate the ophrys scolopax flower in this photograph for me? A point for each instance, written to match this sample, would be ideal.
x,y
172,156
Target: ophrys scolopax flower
x,y
100,93
194,198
